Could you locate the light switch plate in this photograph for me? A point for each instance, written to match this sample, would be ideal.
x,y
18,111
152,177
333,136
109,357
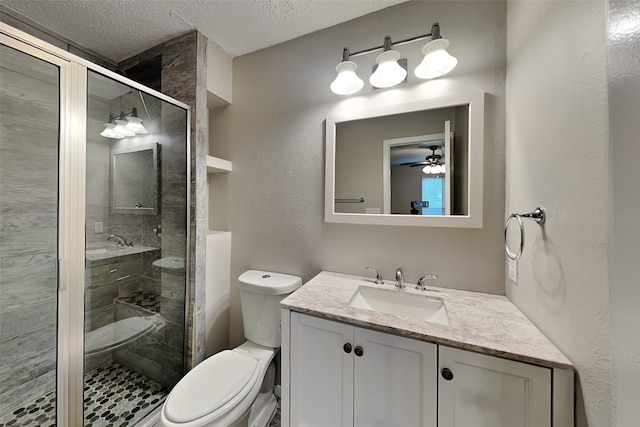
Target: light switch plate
x,y
98,227
513,271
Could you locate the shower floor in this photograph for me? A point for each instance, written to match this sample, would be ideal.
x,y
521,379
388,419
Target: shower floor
x,y
113,396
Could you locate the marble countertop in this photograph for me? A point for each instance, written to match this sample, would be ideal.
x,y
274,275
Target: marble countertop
x,y
113,251
484,323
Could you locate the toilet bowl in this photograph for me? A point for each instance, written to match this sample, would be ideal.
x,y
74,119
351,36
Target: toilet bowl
x,y
229,388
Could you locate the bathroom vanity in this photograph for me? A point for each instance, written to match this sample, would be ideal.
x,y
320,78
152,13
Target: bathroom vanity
x,y
439,357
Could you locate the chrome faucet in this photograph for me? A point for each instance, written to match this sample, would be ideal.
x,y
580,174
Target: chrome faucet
x,y
420,285
379,280
399,279
121,240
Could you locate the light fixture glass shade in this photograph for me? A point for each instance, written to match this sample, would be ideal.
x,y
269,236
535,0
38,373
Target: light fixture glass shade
x,y
434,169
389,72
347,81
134,124
437,61
121,128
110,132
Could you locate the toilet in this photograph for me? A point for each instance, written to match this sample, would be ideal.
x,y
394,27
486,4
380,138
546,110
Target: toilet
x,y
235,387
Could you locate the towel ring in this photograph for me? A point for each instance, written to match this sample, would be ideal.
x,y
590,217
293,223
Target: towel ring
x,y
538,216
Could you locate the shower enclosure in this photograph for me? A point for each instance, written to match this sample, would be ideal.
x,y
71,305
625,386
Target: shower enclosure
x,y
94,221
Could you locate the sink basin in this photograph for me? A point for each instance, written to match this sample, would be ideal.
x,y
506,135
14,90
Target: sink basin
x,y
399,303
104,250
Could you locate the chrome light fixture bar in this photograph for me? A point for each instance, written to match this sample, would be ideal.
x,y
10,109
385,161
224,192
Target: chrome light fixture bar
x,y
123,125
437,62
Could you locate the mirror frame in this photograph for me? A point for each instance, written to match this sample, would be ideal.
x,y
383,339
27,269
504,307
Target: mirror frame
x,y
475,100
153,147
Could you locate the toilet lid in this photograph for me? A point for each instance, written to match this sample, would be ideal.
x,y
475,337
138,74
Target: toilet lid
x,y
210,385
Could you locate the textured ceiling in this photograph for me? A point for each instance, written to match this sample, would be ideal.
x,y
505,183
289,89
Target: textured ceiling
x,y
119,29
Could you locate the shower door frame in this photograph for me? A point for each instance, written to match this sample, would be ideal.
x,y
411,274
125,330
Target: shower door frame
x,y
71,213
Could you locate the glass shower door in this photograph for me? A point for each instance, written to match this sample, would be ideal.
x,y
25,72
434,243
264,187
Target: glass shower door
x,y
29,170
136,243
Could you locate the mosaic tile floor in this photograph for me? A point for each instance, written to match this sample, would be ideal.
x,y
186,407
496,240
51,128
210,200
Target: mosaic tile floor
x,y
275,421
113,396
142,299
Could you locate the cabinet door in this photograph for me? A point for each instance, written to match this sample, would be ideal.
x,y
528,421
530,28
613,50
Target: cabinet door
x,y
395,381
321,373
485,391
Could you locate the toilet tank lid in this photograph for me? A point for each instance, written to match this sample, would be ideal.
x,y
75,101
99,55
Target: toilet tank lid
x,y
268,283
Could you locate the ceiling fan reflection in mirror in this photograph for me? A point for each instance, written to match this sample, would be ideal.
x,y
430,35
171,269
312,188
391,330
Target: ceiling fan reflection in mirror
x,y
433,163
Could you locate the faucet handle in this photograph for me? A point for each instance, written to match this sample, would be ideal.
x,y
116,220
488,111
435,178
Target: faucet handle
x,y
379,280
420,285
399,278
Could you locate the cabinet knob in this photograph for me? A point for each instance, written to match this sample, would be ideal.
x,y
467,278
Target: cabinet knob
x,y
347,348
447,374
359,351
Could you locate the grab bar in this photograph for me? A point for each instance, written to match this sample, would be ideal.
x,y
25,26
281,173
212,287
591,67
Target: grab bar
x,y
538,215
360,200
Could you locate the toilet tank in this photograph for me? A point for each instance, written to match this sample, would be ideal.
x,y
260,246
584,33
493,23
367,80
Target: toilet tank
x,y
260,296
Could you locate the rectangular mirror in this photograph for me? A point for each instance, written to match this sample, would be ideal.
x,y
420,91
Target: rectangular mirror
x,y
134,179
413,163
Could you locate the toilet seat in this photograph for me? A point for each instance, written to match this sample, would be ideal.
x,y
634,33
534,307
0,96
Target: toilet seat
x,y
212,388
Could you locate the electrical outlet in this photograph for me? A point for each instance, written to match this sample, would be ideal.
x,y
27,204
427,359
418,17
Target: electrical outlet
x,y
98,227
513,271
375,211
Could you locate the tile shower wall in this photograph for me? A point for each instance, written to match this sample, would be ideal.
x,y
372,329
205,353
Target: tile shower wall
x,y
28,235
183,77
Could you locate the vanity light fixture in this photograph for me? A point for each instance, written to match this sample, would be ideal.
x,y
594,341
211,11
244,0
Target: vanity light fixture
x,y
388,73
347,81
123,125
437,62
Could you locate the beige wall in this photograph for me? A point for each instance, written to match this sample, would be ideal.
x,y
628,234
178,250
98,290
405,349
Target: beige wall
x,y
274,135
406,186
557,158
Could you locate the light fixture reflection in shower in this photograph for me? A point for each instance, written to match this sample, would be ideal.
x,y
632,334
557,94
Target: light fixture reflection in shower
x,y
124,125
121,128
134,123
110,131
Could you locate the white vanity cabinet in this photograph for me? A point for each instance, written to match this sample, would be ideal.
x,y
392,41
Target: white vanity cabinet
x,y
484,391
341,375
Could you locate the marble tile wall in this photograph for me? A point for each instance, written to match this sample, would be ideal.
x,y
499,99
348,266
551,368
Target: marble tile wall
x,y
28,227
184,78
